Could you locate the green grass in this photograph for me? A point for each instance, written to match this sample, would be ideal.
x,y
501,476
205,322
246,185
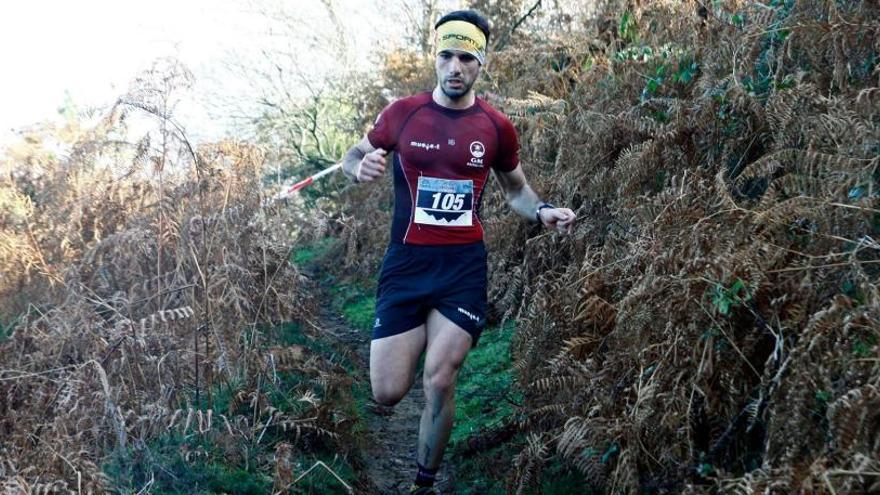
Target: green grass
x,y
485,394
486,397
163,463
360,314
6,326
356,304
480,474
314,252
5,330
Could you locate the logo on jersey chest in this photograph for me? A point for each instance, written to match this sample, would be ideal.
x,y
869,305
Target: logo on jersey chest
x,y
477,152
427,146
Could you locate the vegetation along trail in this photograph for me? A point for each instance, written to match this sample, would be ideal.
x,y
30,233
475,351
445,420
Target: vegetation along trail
x,y
163,331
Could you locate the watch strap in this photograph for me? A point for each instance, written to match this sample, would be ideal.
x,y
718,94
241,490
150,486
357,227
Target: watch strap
x,y
541,207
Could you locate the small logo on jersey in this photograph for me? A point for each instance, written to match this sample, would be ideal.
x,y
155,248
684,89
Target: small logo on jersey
x,y
427,146
451,142
477,149
469,314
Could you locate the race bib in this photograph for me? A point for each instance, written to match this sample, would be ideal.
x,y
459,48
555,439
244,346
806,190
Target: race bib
x,y
444,202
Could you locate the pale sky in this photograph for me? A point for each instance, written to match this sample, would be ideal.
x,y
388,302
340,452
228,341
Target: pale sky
x,y
94,48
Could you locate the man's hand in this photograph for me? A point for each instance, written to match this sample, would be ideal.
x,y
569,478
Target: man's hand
x,y
559,219
372,166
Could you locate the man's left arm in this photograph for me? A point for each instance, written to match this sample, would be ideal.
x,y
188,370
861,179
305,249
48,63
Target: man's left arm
x,y
523,200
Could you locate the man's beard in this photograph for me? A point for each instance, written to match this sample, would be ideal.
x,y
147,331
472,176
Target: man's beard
x,y
455,94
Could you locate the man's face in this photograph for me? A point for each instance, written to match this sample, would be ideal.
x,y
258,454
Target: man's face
x,y
456,72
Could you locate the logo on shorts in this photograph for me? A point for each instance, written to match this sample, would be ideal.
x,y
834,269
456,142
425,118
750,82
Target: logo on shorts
x,y
477,152
377,324
469,314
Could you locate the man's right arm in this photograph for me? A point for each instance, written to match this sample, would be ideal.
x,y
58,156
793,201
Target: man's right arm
x,y
363,162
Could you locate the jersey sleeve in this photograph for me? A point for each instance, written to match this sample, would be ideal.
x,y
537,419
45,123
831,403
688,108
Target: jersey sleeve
x,y
385,130
508,147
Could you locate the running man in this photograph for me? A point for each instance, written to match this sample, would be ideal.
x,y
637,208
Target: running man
x,y
432,288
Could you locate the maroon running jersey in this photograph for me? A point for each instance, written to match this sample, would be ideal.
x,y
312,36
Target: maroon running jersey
x,y
441,164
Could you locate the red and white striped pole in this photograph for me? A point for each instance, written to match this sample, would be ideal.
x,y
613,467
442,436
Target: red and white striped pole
x,y
307,181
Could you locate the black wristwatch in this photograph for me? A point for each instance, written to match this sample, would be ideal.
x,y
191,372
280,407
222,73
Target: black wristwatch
x,y
538,211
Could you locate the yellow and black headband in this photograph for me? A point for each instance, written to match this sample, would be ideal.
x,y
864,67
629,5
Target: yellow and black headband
x,y
461,35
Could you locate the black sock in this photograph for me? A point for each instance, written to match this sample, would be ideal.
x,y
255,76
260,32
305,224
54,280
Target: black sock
x,y
425,476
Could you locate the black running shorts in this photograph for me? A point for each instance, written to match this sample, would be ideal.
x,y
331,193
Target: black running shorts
x,y
415,279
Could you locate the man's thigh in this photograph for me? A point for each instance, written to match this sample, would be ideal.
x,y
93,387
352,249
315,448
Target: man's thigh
x,y
393,361
448,344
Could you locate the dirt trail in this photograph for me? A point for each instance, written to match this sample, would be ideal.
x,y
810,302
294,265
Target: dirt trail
x,y
391,432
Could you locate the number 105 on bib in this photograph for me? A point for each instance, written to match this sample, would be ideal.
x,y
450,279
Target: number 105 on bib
x,y
444,202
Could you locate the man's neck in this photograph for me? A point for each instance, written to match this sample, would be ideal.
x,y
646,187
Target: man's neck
x,y
464,101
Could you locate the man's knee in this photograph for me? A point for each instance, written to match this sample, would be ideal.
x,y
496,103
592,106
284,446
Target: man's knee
x,y
389,394
440,383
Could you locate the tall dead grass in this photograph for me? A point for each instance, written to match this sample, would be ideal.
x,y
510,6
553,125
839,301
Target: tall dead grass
x,y
146,276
